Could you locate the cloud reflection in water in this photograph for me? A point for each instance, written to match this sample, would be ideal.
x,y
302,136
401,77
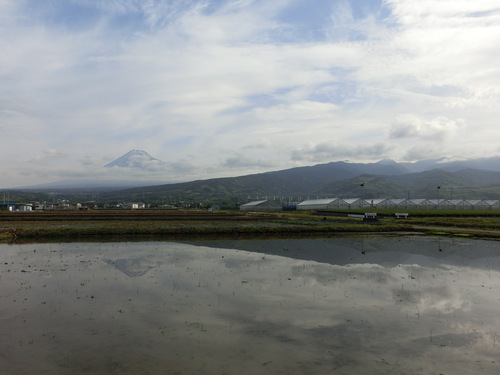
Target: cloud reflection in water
x,y
280,307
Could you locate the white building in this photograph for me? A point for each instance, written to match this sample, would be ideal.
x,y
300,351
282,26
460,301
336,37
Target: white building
x,y
262,205
454,204
134,205
318,204
418,203
348,203
374,203
492,204
396,203
474,204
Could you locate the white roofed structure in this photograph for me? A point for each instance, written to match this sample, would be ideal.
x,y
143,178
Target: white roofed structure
x,y
374,203
474,204
262,205
350,203
454,204
492,204
418,203
395,203
318,204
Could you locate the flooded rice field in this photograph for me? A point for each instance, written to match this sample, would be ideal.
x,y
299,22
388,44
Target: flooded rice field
x,y
412,305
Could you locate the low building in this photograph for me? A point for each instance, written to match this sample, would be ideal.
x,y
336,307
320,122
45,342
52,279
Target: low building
x,y
134,205
24,208
7,206
318,204
350,203
418,203
492,204
263,205
476,204
395,203
43,207
374,203
454,204
16,207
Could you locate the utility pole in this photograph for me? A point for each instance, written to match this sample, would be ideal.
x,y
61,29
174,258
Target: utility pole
x,y
438,188
361,186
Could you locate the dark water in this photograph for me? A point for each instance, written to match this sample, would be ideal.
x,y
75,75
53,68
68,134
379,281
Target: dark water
x,y
338,306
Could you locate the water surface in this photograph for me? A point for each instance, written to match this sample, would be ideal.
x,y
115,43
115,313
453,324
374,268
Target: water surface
x,y
411,305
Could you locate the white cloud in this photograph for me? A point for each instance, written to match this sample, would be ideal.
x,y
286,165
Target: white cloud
x,y
421,152
436,130
198,81
445,44
49,155
338,151
241,161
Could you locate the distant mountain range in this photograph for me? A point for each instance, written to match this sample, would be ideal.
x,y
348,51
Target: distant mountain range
x,y
473,179
468,179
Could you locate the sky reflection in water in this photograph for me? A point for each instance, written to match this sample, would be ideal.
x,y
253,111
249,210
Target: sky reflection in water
x,y
348,306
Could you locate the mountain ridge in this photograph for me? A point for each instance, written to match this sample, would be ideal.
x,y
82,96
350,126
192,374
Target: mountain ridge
x,y
341,179
476,178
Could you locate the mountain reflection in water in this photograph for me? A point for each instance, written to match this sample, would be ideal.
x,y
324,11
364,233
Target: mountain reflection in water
x,y
411,305
132,267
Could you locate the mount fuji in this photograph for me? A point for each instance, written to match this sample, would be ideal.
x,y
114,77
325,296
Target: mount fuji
x,y
133,163
136,159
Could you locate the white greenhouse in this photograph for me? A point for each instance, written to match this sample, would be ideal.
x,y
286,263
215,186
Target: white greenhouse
x,y
349,203
318,204
263,205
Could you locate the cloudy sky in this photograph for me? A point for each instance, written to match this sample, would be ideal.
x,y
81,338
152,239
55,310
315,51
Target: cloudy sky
x,y
232,87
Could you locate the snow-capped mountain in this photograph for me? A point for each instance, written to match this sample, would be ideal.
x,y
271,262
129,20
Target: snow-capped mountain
x,y
137,159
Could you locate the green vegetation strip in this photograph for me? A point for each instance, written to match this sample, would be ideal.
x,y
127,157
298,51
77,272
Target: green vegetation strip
x,y
102,225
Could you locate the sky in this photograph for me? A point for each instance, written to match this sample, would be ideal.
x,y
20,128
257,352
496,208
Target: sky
x,y
217,88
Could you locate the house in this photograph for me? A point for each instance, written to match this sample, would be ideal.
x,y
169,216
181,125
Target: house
x,y
134,205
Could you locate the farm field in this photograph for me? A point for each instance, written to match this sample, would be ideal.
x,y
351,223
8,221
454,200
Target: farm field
x,y
166,224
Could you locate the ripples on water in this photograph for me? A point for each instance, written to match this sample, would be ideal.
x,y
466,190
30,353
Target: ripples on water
x,y
348,306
